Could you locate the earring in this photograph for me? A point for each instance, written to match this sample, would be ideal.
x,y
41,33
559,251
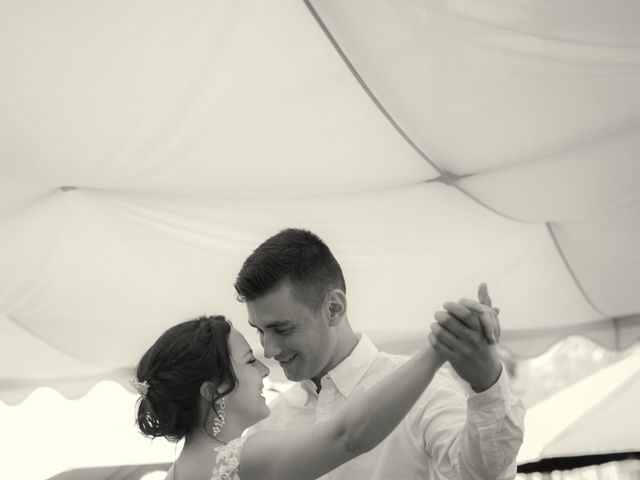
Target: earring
x,y
218,422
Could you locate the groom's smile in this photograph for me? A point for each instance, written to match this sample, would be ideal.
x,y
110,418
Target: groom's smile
x,y
285,363
297,337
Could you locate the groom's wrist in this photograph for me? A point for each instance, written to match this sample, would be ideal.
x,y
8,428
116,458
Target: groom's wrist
x,y
490,382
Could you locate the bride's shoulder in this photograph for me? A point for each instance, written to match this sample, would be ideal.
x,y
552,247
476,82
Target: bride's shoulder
x,y
228,460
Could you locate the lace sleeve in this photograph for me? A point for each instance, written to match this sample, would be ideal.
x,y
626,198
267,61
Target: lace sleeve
x,y
228,460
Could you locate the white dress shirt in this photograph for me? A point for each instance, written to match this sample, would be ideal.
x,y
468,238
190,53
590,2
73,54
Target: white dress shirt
x,y
451,432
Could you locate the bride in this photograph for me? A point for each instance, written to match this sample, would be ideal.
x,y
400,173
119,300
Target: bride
x,y
200,381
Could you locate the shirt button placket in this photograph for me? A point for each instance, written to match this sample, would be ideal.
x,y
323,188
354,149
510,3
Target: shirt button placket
x,y
325,401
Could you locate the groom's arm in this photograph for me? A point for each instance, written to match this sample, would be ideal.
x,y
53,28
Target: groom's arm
x,y
486,443
471,436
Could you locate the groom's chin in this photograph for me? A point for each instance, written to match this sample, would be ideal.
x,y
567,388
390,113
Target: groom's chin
x,y
292,375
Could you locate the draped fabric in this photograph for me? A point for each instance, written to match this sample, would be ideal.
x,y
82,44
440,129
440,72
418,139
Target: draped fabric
x,y
593,416
146,147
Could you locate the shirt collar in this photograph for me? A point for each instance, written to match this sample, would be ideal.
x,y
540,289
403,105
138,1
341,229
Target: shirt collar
x,y
349,371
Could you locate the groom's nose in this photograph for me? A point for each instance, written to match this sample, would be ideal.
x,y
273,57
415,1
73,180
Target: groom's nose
x,y
271,348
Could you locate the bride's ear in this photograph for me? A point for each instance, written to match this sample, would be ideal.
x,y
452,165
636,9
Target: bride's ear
x,y
208,391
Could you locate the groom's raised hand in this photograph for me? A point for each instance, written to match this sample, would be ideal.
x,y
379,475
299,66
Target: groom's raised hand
x,y
488,318
465,334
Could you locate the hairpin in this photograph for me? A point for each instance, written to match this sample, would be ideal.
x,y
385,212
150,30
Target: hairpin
x,y
141,387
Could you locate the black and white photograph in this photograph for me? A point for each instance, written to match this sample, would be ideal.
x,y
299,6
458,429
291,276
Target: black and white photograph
x,y
320,239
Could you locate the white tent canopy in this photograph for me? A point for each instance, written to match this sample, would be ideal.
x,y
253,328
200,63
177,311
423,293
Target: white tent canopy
x,y
146,147
595,416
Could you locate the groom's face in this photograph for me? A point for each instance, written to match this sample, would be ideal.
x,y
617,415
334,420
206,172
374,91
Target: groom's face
x,y
297,337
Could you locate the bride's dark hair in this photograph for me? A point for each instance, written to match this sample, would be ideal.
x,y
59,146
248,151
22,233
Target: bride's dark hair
x,y
175,367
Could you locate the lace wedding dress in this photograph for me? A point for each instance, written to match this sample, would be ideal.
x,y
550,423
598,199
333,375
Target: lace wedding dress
x,y
227,461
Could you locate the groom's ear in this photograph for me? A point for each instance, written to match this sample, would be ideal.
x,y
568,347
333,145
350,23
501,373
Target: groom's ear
x,y
336,306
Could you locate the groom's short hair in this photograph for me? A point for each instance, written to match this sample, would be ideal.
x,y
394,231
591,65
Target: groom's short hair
x,y
294,256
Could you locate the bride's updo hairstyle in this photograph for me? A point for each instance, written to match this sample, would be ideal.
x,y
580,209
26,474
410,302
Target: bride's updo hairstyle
x,y
173,370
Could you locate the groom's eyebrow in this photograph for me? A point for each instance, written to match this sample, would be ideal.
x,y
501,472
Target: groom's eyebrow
x,y
279,323
275,324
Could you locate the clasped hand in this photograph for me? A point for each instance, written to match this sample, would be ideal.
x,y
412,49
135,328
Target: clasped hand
x,y
465,334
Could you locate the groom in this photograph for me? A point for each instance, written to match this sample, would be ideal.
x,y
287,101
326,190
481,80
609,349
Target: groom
x,y
295,295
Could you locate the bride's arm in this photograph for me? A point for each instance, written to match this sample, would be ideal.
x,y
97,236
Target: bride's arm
x,y
366,419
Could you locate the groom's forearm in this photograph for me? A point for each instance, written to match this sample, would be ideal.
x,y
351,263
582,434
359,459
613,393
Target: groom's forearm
x,y
493,434
473,436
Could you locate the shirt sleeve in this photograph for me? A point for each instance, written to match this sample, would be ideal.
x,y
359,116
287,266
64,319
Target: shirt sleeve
x,y
472,436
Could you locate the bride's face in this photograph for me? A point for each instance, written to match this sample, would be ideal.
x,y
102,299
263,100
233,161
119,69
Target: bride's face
x,y
246,400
